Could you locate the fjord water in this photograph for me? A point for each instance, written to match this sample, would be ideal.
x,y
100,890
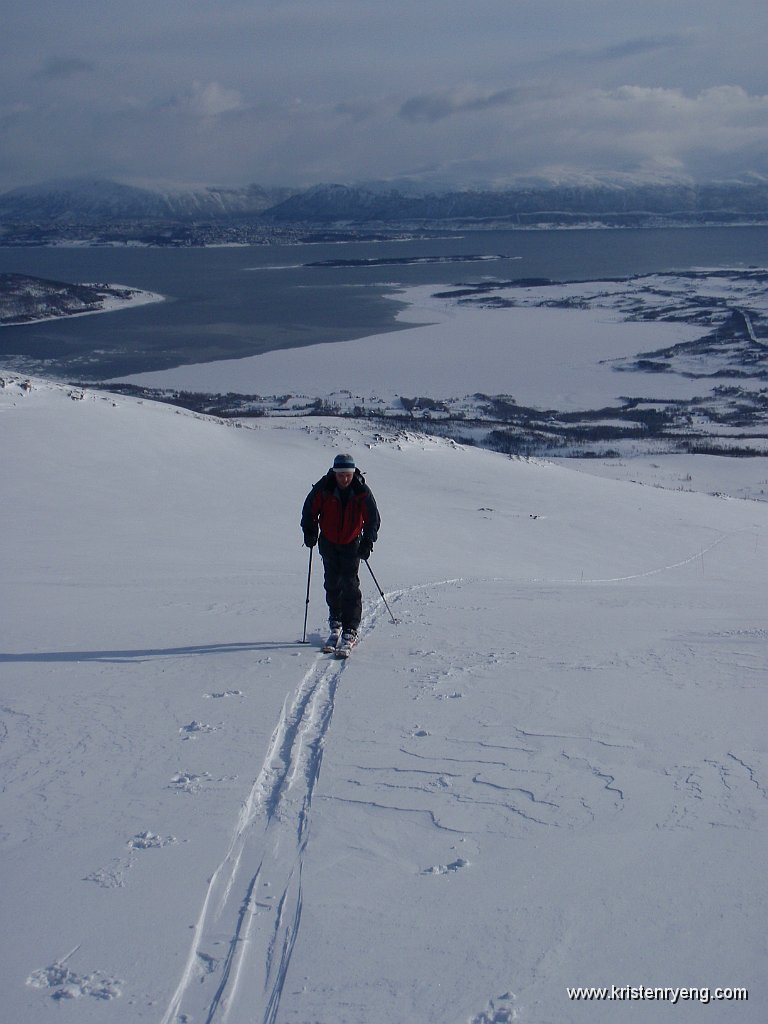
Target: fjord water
x,y
230,302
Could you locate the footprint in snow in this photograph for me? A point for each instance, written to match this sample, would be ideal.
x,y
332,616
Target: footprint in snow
x,y
444,869
150,841
67,984
498,1011
440,783
195,729
111,877
189,782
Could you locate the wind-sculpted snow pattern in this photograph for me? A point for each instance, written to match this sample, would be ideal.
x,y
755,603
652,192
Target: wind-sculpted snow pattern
x,y
251,912
725,793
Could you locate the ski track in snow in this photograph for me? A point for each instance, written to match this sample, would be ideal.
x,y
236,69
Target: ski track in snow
x,y
655,571
251,912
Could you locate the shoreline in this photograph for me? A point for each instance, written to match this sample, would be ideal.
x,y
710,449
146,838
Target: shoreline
x,y
407,231
614,367
111,303
446,350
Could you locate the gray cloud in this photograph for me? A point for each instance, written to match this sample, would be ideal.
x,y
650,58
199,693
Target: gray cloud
x,y
631,48
65,67
438,105
300,91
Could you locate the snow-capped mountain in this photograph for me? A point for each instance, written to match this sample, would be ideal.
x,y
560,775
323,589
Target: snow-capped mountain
x,y
619,200
96,200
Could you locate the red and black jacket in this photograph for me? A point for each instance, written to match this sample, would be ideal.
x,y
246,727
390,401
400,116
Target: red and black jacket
x,y
342,517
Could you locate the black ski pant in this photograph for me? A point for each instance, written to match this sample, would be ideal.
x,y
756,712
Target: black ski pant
x,y
341,563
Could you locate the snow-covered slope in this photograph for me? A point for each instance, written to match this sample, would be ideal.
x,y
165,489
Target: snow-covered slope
x,y
551,772
98,200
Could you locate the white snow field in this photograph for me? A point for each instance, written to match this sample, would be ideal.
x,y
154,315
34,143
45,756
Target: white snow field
x,y
453,350
551,772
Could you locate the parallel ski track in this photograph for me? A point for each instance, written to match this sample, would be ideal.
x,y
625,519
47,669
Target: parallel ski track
x,y
251,911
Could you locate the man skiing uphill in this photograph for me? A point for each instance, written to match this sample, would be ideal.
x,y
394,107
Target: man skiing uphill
x,y
340,516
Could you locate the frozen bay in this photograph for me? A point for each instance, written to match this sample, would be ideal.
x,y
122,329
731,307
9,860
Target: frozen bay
x,y
230,303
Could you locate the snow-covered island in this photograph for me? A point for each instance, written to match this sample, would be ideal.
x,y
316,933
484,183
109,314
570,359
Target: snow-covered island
x,y
549,776
25,299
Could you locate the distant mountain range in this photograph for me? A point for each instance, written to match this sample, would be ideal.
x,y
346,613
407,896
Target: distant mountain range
x,y
102,202
93,200
529,205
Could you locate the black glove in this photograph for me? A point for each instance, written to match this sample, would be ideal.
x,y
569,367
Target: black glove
x,y
364,551
310,538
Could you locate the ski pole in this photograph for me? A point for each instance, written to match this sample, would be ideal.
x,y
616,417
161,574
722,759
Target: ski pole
x,y
306,606
370,570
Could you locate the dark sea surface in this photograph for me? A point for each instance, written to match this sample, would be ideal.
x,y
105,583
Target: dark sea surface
x,y
226,303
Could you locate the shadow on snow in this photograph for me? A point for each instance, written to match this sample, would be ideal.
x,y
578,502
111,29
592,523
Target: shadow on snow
x,y
143,654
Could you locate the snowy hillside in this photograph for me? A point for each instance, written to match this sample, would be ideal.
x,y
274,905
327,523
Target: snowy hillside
x,y
93,200
551,772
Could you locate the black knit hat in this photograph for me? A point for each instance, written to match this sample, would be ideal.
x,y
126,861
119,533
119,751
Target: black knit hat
x,y
343,464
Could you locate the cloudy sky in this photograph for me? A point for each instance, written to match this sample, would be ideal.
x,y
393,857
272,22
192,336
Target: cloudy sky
x,y
463,92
